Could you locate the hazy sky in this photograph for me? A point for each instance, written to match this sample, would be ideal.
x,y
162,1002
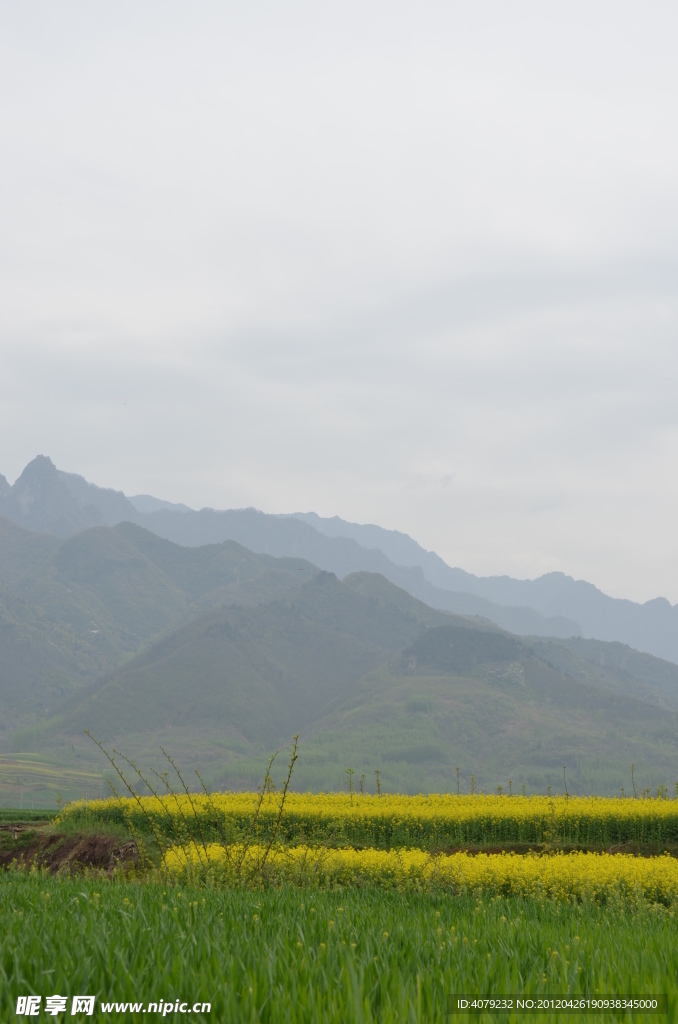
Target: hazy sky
x,y
408,263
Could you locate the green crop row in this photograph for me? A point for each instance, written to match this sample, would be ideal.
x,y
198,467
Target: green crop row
x,y
389,822
346,956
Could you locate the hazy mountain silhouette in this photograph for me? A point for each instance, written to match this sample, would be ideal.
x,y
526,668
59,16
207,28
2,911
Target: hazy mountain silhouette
x,y
147,503
224,653
652,626
111,506
86,504
40,500
44,498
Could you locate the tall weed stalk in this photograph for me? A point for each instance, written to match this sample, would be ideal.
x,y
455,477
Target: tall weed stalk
x,y
185,832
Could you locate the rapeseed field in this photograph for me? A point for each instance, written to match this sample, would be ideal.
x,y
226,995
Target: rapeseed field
x,y
393,821
412,843
340,907
577,876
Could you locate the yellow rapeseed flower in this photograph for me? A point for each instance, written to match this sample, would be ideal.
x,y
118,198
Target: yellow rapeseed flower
x,y
413,821
563,877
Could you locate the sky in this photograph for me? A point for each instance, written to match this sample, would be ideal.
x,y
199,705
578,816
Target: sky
x,y
406,263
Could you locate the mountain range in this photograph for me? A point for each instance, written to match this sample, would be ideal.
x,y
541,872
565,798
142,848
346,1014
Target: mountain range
x,y
222,650
370,677
45,499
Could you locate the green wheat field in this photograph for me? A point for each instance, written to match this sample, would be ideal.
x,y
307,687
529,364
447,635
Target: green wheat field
x,y
342,956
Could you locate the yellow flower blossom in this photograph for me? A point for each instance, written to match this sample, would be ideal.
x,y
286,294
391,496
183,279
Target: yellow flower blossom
x,y
423,821
578,875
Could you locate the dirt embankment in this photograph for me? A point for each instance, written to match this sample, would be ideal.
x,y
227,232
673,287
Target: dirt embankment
x,y
59,851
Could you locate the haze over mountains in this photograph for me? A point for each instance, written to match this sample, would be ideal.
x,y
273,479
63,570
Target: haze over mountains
x,y
46,499
222,650
372,678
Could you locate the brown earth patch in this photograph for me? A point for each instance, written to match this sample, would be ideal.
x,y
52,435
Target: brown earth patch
x,y
71,853
15,828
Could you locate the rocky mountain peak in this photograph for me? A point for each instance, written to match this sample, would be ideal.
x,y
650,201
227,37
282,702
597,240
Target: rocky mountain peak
x,y
39,500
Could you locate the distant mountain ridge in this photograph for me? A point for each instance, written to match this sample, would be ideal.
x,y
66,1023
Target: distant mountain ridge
x,y
652,626
45,499
83,505
222,654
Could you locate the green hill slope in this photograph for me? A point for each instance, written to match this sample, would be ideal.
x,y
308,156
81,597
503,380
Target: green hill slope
x,y
247,678
499,708
73,610
617,665
373,679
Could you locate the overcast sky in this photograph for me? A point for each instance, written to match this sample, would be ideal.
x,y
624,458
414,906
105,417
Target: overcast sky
x,y
407,263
